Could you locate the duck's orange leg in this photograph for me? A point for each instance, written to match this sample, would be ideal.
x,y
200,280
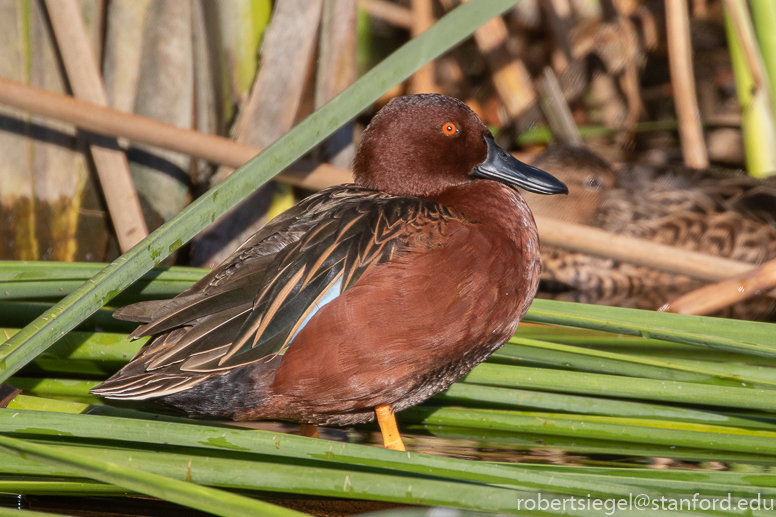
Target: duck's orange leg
x,y
309,430
391,436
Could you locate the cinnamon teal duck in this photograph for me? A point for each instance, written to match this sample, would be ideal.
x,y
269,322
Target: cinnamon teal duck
x,y
363,299
711,211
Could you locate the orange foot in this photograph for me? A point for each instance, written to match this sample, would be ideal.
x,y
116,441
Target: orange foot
x,y
387,421
310,431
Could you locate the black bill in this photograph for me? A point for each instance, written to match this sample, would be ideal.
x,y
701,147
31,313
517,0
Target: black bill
x,y
502,166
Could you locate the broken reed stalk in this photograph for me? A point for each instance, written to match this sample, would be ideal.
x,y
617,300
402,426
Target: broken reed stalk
x,y
276,98
111,163
423,81
700,9
556,110
558,14
394,14
337,71
683,82
714,297
510,76
144,130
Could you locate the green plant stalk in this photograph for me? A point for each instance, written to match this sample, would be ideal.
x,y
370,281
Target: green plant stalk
x,y
45,486
33,403
49,290
13,512
42,367
651,348
180,492
620,429
745,337
529,441
708,483
364,49
469,395
715,477
728,362
40,425
731,365
620,386
12,313
764,18
575,358
634,345
541,331
263,474
63,390
88,346
21,271
757,113
63,317
237,474
232,473
243,41
473,395
59,387
25,280
758,370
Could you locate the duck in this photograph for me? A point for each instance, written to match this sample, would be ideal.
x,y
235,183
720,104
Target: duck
x,y
363,299
712,211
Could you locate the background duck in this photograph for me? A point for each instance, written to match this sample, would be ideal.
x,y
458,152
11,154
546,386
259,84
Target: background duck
x,y
711,211
362,299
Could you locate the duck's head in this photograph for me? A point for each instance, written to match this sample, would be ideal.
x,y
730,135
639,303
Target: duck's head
x,y
422,145
589,177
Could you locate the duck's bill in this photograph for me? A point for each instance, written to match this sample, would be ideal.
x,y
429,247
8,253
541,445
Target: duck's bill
x,y
502,166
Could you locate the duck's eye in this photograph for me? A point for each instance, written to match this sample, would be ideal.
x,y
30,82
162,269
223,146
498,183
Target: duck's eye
x,y
449,129
593,183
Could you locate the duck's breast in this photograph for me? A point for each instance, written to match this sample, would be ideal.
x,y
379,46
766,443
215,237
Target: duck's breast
x,y
410,327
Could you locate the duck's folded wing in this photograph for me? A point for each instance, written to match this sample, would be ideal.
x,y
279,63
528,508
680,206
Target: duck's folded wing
x,y
247,262
251,307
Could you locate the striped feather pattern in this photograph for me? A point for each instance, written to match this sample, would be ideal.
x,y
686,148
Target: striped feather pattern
x,y
712,211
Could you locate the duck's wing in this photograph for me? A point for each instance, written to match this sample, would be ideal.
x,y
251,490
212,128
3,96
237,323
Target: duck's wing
x,y
251,307
247,262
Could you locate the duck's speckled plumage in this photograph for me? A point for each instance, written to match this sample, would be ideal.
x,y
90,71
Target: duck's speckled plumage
x,y
382,293
717,213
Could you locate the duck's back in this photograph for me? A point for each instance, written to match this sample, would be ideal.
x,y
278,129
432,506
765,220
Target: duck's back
x,y
711,211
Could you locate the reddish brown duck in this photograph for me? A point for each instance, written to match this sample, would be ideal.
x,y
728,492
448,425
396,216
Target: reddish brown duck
x,y
713,211
361,299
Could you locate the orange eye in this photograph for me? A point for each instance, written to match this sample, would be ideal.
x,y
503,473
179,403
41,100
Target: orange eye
x,y
449,129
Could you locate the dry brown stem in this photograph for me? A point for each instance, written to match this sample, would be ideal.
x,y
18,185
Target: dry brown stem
x,y
389,12
584,239
510,76
337,71
144,130
714,297
683,79
84,77
556,109
423,81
